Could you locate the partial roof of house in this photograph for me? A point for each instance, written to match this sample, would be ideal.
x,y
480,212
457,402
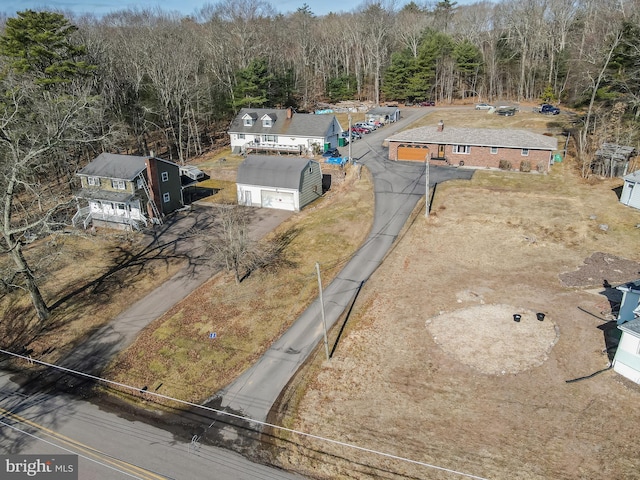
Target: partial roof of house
x,y
383,110
272,171
633,177
299,125
632,327
487,137
112,165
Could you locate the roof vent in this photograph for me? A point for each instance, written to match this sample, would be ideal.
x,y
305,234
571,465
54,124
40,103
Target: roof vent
x,y
440,126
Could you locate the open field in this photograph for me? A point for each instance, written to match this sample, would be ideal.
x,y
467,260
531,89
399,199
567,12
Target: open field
x,y
433,368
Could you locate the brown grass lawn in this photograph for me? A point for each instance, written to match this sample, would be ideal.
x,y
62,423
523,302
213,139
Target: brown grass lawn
x,y
89,280
176,351
433,368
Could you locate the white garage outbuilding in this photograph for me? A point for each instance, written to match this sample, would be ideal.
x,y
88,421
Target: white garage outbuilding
x,y
286,183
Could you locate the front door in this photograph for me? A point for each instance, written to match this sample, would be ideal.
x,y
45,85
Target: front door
x,y
440,151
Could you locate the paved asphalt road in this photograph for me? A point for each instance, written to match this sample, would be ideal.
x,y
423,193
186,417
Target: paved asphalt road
x,y
112,446
398,187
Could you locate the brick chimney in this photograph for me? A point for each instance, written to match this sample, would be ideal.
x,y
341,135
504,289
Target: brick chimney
x,y
289,112
440,126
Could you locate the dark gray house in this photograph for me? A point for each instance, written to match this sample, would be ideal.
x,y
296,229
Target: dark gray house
x,y
283,182
269,130
127,192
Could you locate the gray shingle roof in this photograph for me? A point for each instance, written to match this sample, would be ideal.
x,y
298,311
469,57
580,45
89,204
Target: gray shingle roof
x,y
486,137
107,195
111,165
272,171
633,177
632,327
121,167
383,110
299,125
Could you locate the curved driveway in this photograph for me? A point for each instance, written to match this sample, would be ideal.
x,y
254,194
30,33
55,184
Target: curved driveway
x,y
398,187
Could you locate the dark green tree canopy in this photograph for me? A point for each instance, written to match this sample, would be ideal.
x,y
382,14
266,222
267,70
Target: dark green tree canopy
x,y
40,43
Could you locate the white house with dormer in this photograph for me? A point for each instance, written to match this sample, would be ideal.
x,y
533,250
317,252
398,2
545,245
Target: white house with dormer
x,y
282,131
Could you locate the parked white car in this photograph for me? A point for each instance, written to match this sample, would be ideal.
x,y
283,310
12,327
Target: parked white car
x,y
365,125
483,106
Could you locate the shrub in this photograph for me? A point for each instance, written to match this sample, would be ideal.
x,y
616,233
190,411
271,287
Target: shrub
x,y
504,165
525,166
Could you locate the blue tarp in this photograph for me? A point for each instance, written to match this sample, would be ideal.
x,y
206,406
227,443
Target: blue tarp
x,y
337,160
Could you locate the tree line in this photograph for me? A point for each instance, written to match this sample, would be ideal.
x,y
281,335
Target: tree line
x,y
136,81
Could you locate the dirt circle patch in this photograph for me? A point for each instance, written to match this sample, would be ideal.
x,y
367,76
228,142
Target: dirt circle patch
x,y
488,339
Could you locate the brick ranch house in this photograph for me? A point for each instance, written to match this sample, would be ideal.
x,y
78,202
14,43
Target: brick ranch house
x,y
474,147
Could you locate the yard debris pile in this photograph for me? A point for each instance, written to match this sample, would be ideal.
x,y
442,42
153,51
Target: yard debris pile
x,y
600,269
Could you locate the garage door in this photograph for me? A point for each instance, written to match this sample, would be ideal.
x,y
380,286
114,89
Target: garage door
x,y
281,200
413,153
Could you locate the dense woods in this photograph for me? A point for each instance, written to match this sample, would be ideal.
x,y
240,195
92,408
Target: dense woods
x,y
170,83
136,81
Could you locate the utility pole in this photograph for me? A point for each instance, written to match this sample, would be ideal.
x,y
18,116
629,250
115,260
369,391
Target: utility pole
x,y
350,138
426,174
324,321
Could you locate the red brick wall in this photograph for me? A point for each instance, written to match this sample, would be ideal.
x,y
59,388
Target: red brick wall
x,y
482,156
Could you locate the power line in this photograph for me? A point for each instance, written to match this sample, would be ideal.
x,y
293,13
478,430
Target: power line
x,y
233,415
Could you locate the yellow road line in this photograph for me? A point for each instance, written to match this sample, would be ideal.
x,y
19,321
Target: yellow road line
x,y
103,457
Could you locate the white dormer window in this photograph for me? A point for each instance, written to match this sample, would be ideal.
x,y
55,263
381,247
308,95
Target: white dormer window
x,y
268,120
248,120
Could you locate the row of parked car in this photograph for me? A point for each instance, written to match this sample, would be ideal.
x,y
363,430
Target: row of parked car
x,y
361,128
545,108
426,103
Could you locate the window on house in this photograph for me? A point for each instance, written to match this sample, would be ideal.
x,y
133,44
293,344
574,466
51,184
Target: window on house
x,y
165,176
248,121
466,149
494,150
166,197
93,181
267,122
311,169
270,138
525,152
241,136
118,184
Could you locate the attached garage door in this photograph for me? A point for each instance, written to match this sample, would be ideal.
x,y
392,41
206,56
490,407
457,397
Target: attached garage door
x,y
413,153
281,200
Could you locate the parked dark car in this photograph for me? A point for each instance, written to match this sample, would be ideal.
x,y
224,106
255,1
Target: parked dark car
x,y
548,109
506,112
332,152
428,103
